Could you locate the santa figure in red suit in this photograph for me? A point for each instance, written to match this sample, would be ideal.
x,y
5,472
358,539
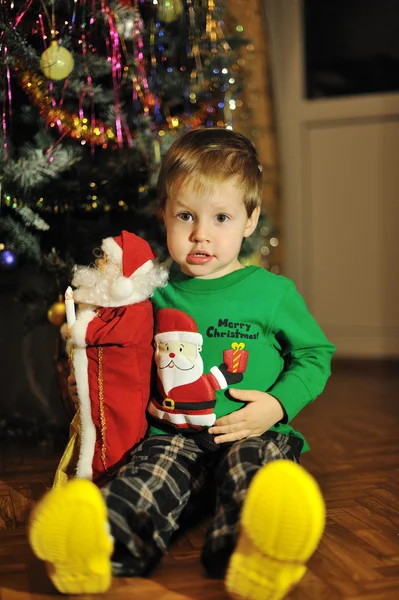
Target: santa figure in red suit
x,y
187,395
112,350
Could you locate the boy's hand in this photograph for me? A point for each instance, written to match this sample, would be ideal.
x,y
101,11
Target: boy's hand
x,y
261,412
66,332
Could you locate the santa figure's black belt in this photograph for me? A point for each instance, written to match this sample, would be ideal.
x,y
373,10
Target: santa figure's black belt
x,y
189,406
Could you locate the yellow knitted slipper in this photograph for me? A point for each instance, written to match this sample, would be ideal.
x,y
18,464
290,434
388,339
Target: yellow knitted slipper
x,y
68,530
282,521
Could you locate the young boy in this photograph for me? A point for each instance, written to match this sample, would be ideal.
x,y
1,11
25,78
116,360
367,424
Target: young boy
x,y
217,324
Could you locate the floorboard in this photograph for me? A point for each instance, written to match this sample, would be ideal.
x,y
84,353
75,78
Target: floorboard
x,y
353,430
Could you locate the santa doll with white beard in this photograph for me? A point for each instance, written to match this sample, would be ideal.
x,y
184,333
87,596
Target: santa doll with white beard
x,y
186,395
111,353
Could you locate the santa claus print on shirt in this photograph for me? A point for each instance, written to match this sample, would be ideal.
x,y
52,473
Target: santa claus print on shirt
x,y
187,395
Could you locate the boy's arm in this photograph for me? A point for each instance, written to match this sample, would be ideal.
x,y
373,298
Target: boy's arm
x,y
306,351
307,355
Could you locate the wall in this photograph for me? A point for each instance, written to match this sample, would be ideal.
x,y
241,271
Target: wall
x,y
340,181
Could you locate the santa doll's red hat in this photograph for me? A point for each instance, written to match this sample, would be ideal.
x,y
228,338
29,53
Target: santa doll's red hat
x,y
173,325
132,254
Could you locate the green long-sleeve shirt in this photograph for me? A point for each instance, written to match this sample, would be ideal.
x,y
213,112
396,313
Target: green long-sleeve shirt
x,y
288,355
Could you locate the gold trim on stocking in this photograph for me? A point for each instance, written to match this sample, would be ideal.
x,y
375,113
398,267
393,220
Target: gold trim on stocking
x,y
100,381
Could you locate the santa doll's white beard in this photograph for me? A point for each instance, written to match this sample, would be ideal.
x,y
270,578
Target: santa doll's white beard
x,y
94,285
183,371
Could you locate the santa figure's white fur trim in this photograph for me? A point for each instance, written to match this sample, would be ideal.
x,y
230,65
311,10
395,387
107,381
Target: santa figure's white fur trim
x,y
220,378
84,468
179,336
79,328
181,418
112,250
145,280
124,287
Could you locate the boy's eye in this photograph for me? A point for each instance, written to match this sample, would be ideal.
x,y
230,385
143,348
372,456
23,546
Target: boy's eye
x,y
185,216
222,218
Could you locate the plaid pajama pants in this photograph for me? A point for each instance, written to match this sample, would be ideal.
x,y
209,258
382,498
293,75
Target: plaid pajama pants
x,y
162,480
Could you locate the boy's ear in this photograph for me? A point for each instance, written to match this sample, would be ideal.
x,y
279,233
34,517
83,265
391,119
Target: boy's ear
x,y
252,222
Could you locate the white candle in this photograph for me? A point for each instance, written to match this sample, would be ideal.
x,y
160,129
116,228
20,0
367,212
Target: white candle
x,y
69,306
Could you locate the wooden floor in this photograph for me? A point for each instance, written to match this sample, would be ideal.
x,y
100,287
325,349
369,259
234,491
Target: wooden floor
x,y
354,433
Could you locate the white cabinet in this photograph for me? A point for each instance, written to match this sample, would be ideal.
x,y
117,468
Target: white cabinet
x,y
340,193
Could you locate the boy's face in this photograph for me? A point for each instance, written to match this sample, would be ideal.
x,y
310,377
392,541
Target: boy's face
x,y
205,231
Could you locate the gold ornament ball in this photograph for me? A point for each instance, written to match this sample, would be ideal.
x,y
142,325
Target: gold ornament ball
x,y
56,313
169,10
56,62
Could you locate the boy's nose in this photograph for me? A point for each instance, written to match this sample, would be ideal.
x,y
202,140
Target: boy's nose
x,y
200,234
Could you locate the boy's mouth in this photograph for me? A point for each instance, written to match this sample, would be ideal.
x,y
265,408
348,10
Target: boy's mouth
x,y
198,258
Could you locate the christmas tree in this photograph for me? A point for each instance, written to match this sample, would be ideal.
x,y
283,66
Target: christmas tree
x,y
93,94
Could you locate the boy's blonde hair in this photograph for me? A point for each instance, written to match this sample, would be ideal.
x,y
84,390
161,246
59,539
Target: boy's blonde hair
x,y
203,157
